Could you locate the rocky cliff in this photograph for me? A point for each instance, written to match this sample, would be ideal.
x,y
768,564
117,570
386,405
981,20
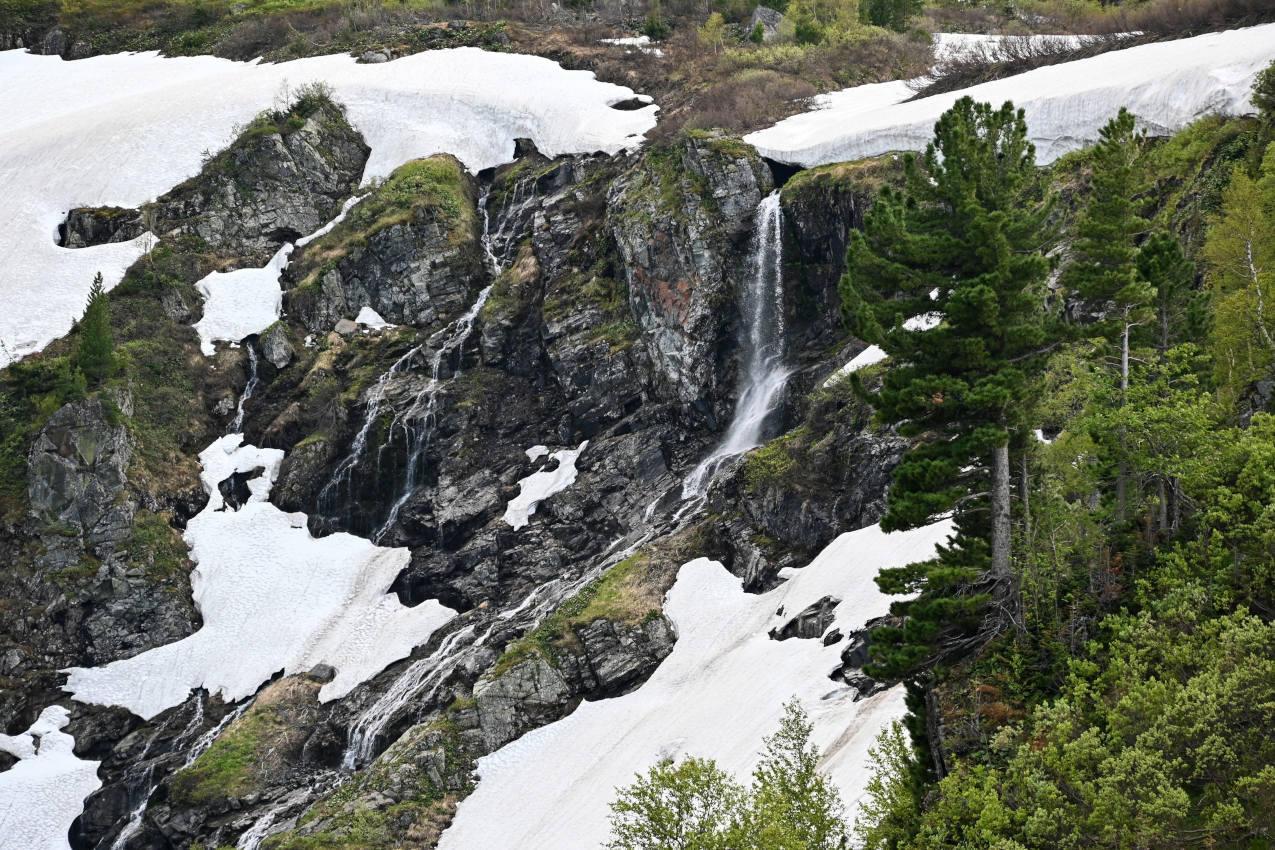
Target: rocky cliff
x,y
583,306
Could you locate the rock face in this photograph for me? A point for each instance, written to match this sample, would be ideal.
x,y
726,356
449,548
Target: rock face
x,y
822,207
285,177
681,219
769,19
610,658
612,317
409,250
78,468
88,226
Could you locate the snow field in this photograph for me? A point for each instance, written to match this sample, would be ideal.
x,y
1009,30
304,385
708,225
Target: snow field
x,y
1167,85
716,696
271,597
44,792
123,129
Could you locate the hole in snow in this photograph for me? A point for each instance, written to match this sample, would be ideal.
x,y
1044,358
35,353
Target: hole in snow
x,y
630,105
235,490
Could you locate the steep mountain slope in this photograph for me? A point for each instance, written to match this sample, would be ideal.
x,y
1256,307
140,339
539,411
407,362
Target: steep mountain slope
x,y
337,575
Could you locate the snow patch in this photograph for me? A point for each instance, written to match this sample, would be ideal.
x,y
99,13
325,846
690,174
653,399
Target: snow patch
x,y
706,699
123,129
44,792
1167,85
538,486
371,319
869,356
272,597
641,42
240,303
536,452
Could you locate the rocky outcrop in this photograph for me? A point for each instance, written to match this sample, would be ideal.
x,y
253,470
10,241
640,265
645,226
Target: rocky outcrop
x,y
826,476
681,220
284,177
276,347
822,206
409,250
607,657
88,226
78,468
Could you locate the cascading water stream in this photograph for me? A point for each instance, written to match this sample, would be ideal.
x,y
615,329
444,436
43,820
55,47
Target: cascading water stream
x,y
417,421
197,749
236,425
423,680
765,373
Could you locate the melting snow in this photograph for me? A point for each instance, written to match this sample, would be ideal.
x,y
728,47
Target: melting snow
x,y
272,597
706,699
240,303
1167,85
372,319
44,792
641,42
538,486
125,128
870,355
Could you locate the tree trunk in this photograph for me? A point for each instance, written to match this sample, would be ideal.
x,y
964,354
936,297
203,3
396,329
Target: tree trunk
x,y
1000,513
1122,476
1024,496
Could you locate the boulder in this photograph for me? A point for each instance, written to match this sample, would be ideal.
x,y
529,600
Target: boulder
x,y
770,21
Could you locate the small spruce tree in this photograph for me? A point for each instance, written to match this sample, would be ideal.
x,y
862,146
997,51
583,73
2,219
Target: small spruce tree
x,y
95,350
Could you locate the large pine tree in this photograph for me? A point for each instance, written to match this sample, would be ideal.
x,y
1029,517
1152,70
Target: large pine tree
x,y
947,277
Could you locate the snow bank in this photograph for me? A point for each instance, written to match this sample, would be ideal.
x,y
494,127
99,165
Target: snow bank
x,y
240,303
869,356
44,792
717,695
125,128
1167,85
272,597
371,319
959,45
538,486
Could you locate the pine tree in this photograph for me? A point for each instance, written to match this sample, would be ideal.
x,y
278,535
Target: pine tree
x,y
1177,306
1105,269
947,278
95,350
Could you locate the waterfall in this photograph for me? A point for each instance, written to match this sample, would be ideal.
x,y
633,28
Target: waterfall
x,y
197,749
423,681
416,421
254,378
762,308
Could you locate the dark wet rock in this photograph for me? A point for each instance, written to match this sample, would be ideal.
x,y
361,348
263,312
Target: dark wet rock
x,y
681,219
812,622
88,226
285,177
